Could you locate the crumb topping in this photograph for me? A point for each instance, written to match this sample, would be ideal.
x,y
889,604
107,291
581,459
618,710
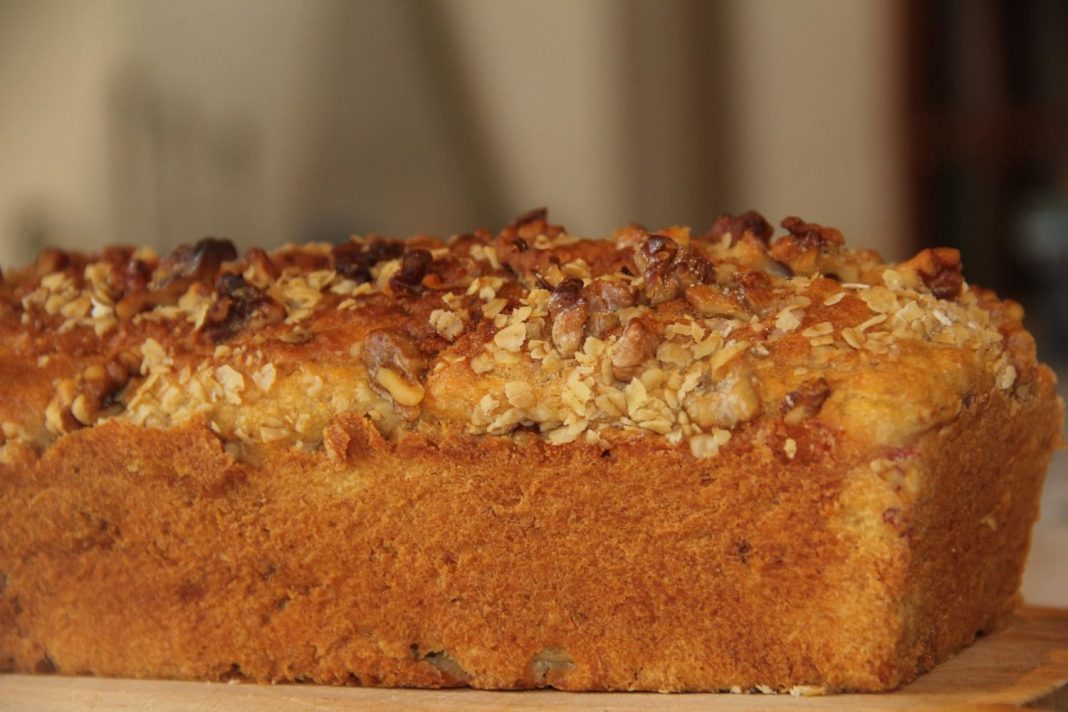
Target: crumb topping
x,y
664,334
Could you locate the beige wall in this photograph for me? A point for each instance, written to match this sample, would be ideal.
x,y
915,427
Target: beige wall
x,y
155,122
55,60
817,122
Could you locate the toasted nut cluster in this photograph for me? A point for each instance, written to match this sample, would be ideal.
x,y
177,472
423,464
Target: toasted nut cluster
x,y
92,394
725,402
355,260
669,270
607,296
738,226
559,337
187,265
240,305
939,269
570,311
809,249
636,346
711,300
413,268
395,364
261,269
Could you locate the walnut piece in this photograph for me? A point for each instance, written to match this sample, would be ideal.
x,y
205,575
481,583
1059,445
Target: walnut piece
x,y
940,270
810,249
636,346
240,305
748,223
806,400
668,269
395,364
569,311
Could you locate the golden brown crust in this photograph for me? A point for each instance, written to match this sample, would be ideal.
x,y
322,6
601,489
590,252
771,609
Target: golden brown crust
x,y
648,334
653,462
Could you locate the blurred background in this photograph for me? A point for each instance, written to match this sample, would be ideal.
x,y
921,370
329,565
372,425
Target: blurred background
x,y
905,123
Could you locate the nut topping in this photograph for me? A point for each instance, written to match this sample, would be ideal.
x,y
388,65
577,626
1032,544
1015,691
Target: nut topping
x,y
809,248
748,223
188,264
725,403
636,345
355,260
193,263
569,311
533,332
240,304
261,269
92,394
414,266
669,270
806,401
940,270
396,364
605,298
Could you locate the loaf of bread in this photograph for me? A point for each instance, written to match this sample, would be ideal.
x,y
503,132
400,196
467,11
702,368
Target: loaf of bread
x,y
661,461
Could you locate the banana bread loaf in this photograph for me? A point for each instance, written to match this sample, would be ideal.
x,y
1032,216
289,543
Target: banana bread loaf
x,y
660,461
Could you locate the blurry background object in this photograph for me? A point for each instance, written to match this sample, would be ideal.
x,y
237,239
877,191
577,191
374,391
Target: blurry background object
x,y
987,111
903,122
146,121
988,118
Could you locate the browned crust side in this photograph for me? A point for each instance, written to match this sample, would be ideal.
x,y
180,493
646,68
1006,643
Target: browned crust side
x,y
134,552
971,533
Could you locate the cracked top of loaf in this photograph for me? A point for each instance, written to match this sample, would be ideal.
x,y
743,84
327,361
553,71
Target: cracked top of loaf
x,y
678,339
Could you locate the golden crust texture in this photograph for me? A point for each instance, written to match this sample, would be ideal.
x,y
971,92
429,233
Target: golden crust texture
x,y
659,461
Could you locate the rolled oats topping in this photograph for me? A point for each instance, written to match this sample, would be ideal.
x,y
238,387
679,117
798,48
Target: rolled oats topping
x,y
691,339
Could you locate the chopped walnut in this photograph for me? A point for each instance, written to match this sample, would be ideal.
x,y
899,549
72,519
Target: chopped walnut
x,y
706,445
748,223
188,264
654,258
669,270
550,662
939,269
609,295
354,260
385,348
569,311
725,402
528,226
240,305
806,401
413,268
636,345
261,269
397,366
710,300
810,249
692,267
94,393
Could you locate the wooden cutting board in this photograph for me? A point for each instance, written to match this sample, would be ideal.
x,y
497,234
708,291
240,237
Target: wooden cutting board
x,y
1024,665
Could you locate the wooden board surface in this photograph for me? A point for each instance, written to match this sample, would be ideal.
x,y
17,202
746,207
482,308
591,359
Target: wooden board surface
x,y
1024,664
